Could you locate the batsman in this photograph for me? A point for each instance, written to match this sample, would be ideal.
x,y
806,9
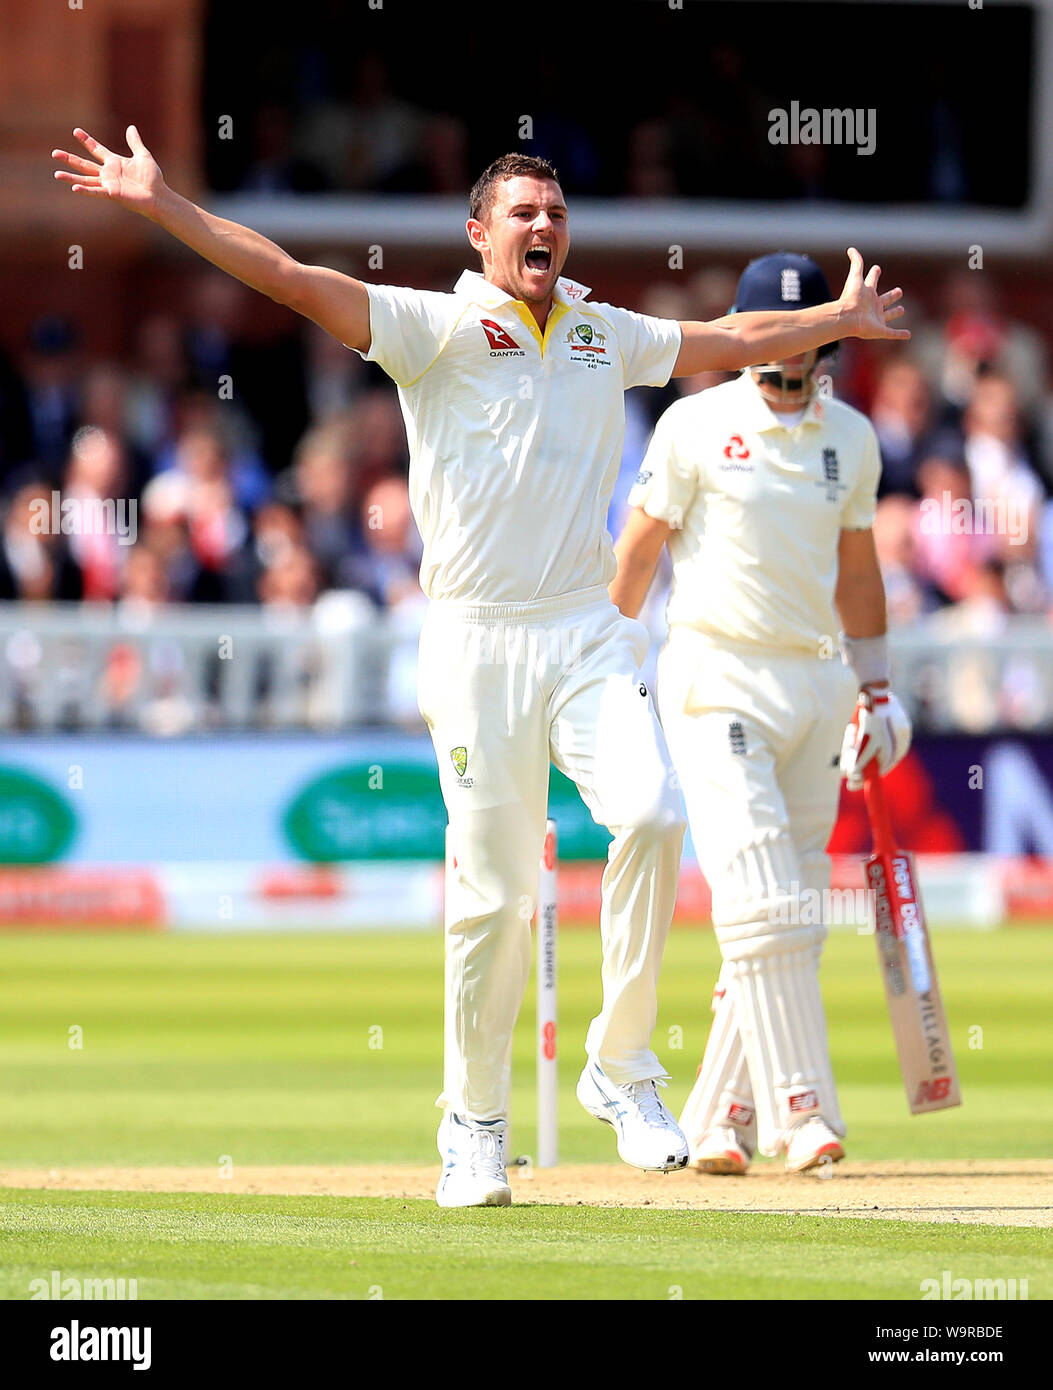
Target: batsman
x,y
764,490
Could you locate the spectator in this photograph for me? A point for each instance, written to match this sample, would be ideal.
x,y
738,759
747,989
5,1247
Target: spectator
x,y
895,543
53,393
974,336
946,546
97,474
106,404
372,142
387,567
275,168
292,582
35,563
323,481
197,411
160,373
901,413
999,463
333,375
277,532
198,489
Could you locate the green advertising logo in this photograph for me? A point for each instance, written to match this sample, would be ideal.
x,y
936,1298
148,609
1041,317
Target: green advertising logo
x,y
395,811
361,811
36,823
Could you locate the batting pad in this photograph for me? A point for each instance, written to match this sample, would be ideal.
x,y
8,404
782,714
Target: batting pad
x,y
773,983
722,1094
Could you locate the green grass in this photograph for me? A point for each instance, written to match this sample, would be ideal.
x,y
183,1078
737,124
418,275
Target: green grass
x,y
201,1246
260,1048
264,1049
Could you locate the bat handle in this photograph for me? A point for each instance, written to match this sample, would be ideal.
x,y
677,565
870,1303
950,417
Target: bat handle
x,y
880,824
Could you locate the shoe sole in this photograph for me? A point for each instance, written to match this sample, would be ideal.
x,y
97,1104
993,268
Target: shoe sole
x,y
832,1153
672,1164
721,1165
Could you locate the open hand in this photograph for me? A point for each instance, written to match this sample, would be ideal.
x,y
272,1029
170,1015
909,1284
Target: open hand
x,y
134,181
869,313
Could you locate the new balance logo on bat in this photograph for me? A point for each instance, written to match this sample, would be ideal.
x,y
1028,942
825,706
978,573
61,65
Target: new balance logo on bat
x,y
939,1088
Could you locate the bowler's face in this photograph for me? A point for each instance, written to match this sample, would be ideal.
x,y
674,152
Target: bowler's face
x,y
526,239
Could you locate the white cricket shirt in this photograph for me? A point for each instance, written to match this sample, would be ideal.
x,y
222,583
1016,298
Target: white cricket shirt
x,y
514,437
758,509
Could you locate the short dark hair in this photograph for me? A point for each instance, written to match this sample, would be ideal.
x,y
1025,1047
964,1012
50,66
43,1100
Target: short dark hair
x,y
509,166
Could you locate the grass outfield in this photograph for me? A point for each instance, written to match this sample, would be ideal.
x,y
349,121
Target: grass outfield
x,y
317,1049
197,1245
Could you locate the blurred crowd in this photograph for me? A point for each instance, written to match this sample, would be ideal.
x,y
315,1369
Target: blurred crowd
x,y
964,419
296,485
373,126
225,511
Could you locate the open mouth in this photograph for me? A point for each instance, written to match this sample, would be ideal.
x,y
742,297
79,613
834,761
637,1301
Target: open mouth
x,y
539,260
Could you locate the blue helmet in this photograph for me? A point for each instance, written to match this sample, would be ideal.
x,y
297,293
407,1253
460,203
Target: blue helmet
x,y
782,280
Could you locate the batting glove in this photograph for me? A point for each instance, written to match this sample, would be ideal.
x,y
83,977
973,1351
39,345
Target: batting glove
x,y
880,729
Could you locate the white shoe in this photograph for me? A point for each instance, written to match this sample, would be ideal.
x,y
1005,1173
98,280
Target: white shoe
x,y
811,1144
722,1150
648,1136
473,1164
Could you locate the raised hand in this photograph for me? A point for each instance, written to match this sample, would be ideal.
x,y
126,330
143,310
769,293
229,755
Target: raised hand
x,y
869,313
133,181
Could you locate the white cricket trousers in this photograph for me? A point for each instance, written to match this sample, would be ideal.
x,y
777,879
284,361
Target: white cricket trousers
x,y
505,689
755,735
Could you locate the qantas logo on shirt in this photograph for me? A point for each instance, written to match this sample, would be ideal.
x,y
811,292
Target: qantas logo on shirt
x,y
502,343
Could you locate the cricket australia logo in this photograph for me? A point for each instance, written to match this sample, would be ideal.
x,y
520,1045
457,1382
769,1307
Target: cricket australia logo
x,y
586,340
459,758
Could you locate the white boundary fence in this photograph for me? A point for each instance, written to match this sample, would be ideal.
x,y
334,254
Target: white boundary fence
x,y
198,668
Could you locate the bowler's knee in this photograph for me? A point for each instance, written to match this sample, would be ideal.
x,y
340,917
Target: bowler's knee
x,y
658,820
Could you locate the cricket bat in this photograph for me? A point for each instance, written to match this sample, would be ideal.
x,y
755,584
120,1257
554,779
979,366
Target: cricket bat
x,y
919,1023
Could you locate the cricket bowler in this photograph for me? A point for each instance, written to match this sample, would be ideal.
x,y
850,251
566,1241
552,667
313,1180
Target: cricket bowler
x,y
512,391
764,491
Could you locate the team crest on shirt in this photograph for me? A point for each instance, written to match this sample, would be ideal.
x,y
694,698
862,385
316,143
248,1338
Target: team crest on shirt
x,y
459,758
588,344
831,479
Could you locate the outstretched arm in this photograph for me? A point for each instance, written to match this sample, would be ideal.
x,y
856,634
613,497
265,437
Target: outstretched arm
x,y
338,303
747,340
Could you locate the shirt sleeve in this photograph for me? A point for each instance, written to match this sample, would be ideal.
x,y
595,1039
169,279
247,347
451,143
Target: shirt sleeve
x,y
407,329
666,484
649,346
860,506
